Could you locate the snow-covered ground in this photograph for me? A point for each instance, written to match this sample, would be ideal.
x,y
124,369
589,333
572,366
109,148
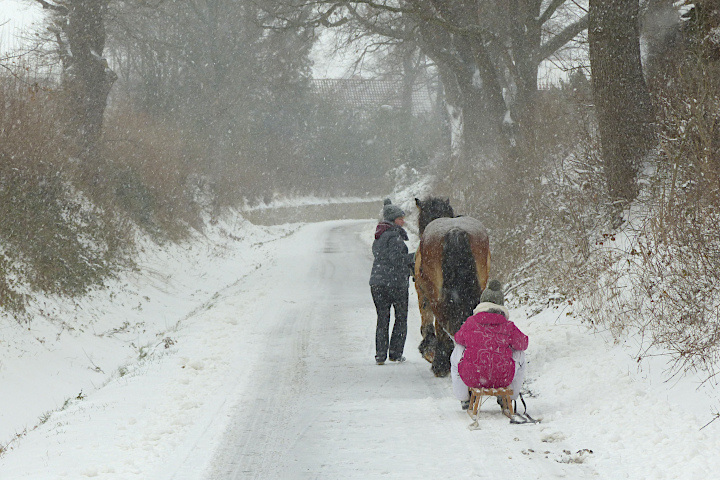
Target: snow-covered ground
x,y
248,353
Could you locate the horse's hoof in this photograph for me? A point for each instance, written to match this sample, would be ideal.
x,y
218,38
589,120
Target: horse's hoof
x,y
441,374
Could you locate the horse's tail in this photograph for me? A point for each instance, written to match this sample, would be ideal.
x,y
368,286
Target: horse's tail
x,y
460,289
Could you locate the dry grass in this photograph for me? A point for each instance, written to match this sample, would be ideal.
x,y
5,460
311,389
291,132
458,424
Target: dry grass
x,y
544,223
149,170
48,243
66,223
678,255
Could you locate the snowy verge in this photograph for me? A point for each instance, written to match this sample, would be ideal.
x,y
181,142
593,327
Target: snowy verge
x,y
151,399
71,348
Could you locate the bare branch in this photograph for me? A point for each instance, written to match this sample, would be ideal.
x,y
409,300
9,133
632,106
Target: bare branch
x,y
567,34
549,11
376,28
53,6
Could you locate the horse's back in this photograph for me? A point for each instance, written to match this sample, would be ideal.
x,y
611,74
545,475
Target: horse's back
x,y
438,228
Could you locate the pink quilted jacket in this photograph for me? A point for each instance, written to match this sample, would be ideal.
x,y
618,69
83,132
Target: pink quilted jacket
x,y
489,340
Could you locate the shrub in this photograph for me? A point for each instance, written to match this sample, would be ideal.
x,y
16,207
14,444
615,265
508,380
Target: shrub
x,y
542,237
150,170
678,256
53,240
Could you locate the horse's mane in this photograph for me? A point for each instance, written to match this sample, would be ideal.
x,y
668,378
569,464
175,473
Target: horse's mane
x,y
432,208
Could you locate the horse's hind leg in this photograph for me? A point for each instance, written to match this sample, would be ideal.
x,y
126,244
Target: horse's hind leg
x,y
429,340
428,346
441,362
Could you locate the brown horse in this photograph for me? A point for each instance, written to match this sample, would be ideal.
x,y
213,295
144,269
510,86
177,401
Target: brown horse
x,y
451,271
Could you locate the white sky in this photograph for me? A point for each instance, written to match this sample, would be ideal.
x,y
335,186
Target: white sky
x,y
329,64
15,17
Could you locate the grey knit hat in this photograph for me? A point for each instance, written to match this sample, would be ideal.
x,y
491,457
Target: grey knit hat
x,y
391,212
493,293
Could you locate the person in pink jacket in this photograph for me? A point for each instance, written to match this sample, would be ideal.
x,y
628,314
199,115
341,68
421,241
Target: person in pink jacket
x,y
489,349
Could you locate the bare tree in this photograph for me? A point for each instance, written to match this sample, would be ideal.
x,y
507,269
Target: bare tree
x,y
79,28
622,100
487,53
233,74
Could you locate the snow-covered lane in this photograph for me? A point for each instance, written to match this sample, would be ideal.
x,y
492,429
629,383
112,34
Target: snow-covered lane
x,y
251,356
317,406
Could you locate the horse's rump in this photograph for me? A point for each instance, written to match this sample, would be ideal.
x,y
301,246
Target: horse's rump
x,y
455,260
461,289
451,270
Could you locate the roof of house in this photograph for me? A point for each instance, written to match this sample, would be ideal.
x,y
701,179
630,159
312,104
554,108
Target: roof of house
x,y
362,93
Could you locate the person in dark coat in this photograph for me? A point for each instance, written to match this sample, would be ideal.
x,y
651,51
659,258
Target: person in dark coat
x,y
389,283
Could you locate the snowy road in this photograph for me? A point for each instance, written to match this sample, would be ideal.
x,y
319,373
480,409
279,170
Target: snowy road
x,y
316,406
248,354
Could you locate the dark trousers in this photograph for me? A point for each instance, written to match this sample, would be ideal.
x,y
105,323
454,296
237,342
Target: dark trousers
x,y
384,298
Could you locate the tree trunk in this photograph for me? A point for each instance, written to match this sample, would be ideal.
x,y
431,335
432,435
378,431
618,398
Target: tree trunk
x,y
525,35
409,74
475,105
88,77
622,100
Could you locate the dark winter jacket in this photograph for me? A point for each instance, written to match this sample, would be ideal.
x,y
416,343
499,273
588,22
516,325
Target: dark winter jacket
x,y
393,264
489,339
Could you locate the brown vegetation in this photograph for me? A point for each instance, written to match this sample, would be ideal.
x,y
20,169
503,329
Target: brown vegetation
x,y
656,275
